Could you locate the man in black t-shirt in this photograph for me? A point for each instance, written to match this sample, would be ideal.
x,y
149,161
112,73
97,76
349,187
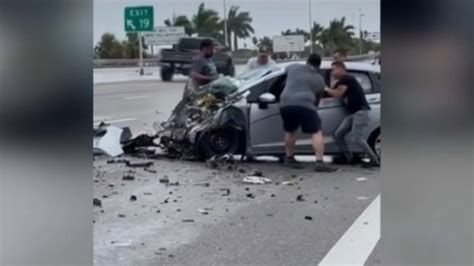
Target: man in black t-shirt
x,y
350,91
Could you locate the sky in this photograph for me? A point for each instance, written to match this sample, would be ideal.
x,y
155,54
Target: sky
x,y
270,17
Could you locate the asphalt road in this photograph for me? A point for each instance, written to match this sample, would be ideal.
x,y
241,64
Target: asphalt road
x,y
251,225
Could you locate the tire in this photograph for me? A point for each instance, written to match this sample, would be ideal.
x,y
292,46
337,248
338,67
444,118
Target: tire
x,y
375,142
218,142
167,73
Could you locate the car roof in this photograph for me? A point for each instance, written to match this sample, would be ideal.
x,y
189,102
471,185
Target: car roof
x,y
326,64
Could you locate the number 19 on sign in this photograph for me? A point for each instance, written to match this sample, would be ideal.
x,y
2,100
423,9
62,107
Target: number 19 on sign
x,y
139,19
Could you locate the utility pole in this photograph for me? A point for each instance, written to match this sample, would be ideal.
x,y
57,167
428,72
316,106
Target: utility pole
x,y
140,44
310,28
225,25
360,30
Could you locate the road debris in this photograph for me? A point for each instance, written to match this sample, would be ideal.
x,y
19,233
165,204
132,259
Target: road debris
x,y
138,164
164,180
258,173
225,161
288,183
226,191
203,211
361,179
300,198
97,202
128,177
256,180
310,218
250,195
117,160
121,215
107,140
150,170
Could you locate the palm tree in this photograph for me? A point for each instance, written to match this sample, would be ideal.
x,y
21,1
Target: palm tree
x,y
266,41
297,31
181,21
337,35
238,24
206,22
316,31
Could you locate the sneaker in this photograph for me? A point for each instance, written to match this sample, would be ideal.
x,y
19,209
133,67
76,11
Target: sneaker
x,y
292,162
322,168
370,165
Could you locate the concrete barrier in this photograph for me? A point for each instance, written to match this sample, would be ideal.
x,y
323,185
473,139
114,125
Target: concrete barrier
x,y
149,62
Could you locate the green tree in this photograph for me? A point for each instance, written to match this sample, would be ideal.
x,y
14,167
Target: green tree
x,y
238,25
337,36
267,41
297,31
206,22
316,31
181,21
131,45
109,47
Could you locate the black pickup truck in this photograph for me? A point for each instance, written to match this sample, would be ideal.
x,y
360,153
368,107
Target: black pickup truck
x,y
181,56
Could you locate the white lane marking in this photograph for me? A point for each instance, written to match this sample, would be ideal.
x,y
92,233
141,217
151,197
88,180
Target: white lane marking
x,y
137,97
358,242
116,120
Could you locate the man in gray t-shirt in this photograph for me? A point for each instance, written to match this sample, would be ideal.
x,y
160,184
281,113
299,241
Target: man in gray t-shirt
x,y
203,70
298,108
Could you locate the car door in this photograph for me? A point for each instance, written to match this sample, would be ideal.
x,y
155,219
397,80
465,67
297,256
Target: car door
x,y
332,111
266,131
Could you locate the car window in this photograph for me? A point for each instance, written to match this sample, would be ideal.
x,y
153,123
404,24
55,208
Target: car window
x,y
276,86
364,80
256,91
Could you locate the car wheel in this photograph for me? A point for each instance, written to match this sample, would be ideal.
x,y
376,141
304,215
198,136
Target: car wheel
x,y
218,142
167,73
375,142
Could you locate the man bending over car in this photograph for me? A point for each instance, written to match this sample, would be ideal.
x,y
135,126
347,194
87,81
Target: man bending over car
x,y
203,70
299,101
350,91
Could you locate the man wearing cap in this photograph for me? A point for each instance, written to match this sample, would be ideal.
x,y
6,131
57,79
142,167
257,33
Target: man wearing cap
x,y
262,60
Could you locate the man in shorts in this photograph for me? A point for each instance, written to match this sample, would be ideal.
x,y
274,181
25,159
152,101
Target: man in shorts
x,y
299,101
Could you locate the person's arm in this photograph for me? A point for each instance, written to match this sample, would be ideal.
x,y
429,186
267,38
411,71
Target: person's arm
x,y
337,92
196,75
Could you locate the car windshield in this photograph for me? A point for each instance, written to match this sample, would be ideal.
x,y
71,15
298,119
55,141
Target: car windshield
x,y
252,75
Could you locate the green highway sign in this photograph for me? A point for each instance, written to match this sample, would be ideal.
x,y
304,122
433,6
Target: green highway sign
x,y
139,18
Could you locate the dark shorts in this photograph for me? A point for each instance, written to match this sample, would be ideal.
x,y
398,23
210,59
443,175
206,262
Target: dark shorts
x,y
295,117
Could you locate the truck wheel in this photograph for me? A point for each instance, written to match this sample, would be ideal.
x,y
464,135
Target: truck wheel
x,y
167,73
218,142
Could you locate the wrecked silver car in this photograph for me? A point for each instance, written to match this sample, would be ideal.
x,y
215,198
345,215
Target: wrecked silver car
x,y
241,115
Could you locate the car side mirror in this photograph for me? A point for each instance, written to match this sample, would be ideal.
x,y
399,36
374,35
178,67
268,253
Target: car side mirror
x,y
267,98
